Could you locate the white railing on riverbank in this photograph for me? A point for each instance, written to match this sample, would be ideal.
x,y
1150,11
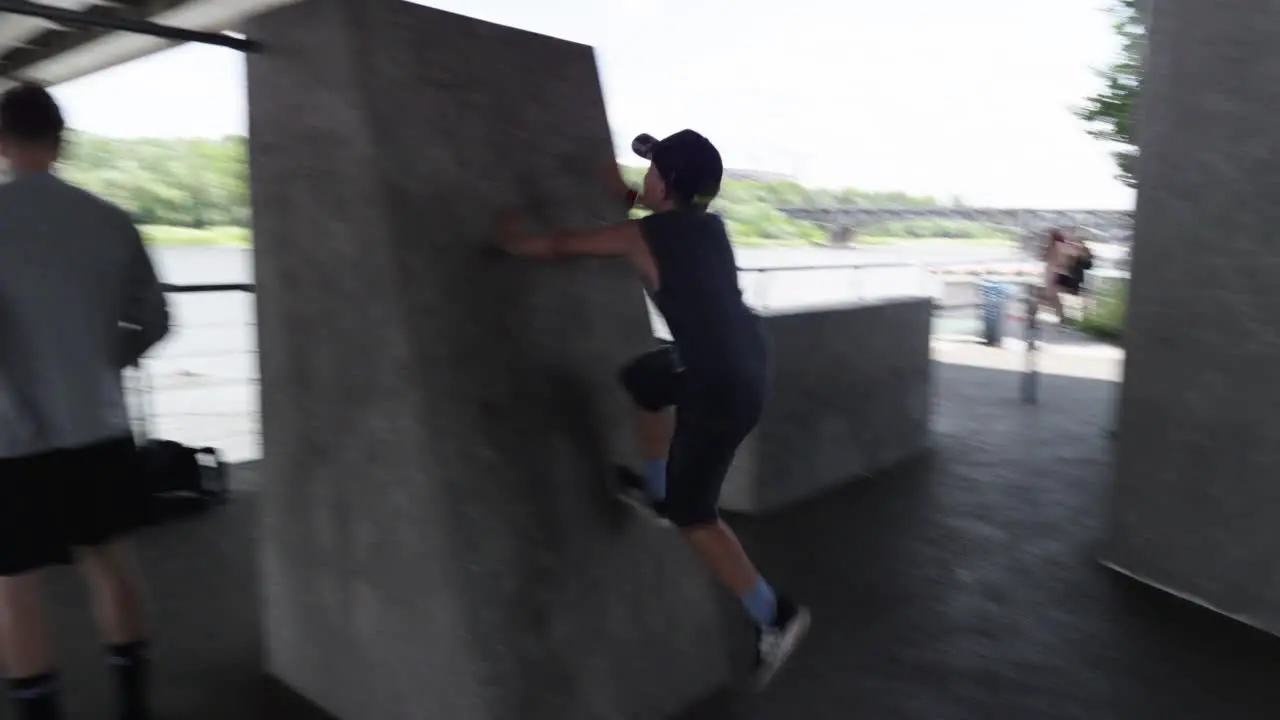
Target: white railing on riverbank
x,y
200,386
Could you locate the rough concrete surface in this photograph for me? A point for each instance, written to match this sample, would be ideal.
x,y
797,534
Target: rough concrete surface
x,y
438,423
1195,503
850,396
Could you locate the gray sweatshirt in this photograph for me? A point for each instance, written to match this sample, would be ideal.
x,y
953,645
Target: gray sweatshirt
x,y
79,301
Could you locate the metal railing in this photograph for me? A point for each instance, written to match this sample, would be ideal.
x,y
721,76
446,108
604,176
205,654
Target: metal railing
x,y
776,288
172,289
201,385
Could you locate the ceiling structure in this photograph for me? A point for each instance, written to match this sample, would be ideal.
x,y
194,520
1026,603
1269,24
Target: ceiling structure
x,y
54,41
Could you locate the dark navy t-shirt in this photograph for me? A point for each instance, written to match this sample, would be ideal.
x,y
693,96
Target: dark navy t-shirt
x,y
716,335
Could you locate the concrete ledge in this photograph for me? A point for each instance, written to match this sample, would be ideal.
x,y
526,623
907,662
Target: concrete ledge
x,y
851,396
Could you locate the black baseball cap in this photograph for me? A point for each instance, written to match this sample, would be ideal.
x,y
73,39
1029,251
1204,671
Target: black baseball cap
x,y
687,162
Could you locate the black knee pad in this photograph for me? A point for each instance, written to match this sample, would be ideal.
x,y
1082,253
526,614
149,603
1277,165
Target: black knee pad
x,y
653,380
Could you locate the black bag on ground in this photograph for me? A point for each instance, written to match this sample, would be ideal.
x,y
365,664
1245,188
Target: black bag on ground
x,y
180,480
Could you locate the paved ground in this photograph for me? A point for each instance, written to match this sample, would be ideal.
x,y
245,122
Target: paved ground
x,y
960,588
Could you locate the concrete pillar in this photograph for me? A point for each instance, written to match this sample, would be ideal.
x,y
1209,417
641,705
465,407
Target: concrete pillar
x,y
1145,8
438,540
1196,493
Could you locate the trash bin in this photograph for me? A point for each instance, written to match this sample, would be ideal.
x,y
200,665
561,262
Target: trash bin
x,y
993,295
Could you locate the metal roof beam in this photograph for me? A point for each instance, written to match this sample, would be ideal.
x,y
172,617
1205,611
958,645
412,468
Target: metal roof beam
x,y
113,21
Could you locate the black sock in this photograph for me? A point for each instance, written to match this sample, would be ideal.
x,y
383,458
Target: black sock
x,y
36,697
129,670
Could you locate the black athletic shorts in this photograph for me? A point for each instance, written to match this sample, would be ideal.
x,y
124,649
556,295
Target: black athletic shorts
x,y
1068,283
55,501
711,423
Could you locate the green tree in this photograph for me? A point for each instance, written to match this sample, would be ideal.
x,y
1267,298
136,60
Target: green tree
x,y
937,229
1112,113
194,183
752,210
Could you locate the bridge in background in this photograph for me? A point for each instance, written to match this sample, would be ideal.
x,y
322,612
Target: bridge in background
x,y
843,222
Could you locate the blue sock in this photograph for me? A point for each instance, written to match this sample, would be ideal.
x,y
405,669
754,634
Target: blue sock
x,y
761,604
655,479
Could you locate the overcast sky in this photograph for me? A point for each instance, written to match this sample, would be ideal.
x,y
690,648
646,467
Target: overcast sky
x,y
970,99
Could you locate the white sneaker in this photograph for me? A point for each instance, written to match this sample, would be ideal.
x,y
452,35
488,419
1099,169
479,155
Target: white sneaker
x,y
776,643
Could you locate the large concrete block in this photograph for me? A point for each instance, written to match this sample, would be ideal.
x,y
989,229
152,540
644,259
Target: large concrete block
x,y
437,539
1195,495
851,395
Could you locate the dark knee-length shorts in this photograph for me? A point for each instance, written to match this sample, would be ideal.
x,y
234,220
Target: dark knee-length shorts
x,y
713,418
53,502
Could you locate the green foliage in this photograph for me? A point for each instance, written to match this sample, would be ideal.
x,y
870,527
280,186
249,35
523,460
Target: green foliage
x,y
751,210
169,236
1112,113
985,240
185,183
938,229
196,192
1104,316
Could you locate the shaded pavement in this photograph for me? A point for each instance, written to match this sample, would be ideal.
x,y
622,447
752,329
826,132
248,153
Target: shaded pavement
x,y
961,587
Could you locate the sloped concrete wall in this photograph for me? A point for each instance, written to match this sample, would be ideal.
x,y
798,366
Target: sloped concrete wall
x,y
1196,496
438,540
850,396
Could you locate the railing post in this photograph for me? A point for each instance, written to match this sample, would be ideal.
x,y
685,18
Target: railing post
x,y
1031,376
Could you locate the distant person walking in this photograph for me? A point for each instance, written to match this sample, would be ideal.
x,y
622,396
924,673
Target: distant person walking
x,y
1065,262
79,301
1082,263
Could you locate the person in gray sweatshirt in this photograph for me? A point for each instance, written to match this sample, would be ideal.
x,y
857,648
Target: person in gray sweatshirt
x,y
79,302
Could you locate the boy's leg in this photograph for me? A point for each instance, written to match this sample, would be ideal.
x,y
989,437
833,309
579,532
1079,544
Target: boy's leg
x,y
699,463
653,380
702,452
117,591
108,508
722,553
656,428
31,538
1055,293
116,587
28,659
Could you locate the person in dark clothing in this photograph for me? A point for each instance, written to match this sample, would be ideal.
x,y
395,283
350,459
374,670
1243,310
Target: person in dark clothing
x,y
1082,263
700,395
1066,262
1059,263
